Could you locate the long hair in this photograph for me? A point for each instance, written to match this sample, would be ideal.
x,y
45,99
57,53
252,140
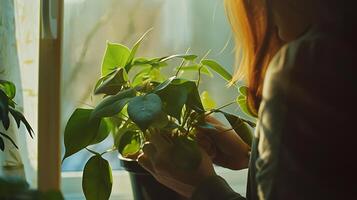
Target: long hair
x,y
256,41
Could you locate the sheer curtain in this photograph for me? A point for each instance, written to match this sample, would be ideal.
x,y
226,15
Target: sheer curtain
x,y
19,37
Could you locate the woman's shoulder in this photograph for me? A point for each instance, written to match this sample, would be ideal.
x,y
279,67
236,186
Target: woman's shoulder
x,y
318,69
321,50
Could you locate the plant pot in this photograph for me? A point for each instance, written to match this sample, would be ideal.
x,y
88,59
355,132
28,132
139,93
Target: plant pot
x,y
144,185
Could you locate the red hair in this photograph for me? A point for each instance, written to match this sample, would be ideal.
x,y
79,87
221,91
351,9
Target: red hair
x,y
257,42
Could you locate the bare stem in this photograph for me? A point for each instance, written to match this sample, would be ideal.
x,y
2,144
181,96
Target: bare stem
x,y
182,63
91,151
109,150
219,108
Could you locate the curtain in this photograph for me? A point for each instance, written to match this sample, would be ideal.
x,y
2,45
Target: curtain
x,y
19,37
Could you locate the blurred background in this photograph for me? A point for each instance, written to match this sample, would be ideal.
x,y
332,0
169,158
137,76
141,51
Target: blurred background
x,y
200,25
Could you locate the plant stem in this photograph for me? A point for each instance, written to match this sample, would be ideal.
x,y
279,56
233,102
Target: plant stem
x,y
186,116
124,116
200,68
219,108
93,152
192,124
182,63
199,76
205,56
109,150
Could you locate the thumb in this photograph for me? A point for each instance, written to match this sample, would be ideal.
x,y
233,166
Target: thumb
x,y
206,143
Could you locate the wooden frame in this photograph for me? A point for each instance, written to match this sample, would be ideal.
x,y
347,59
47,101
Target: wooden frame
x,y
49,164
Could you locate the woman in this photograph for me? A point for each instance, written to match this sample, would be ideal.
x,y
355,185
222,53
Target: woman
x,y
298,57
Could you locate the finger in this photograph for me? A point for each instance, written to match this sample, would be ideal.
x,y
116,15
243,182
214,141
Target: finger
x,y
211,133
207,144
149,150
212,120
203,140
145,162
168,138
212,130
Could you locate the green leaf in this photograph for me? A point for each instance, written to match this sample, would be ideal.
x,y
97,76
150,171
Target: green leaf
x,y
116,56
193,99
141,76
160,121
97,179
19,117
207,101
9,88
134,50
119,132
174,98
217,68
12,103
242,102
128,143
124,137
156,75
2,144
113,105
114,122
10,139
243,90
141,61
113,84
177,92
103,131
240,127
196,68
103,78
4,110
80,131
143,110
131,149
163,85
183,56
243,105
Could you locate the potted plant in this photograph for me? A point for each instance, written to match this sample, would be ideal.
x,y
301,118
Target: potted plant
x,y
15,187
139,100
8,106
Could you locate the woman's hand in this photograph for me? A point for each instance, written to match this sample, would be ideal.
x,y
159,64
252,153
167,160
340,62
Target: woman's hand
x,y
157,158
223,145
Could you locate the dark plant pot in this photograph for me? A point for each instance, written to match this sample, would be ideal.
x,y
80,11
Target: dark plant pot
x,y
144,185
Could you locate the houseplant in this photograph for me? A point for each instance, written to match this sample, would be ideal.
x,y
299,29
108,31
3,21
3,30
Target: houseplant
x,y
15,187
139,100
7,107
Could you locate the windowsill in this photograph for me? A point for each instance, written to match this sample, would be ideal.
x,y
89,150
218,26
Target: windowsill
x,y
72,183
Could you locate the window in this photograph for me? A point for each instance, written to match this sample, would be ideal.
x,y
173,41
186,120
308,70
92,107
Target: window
x,y
177,26
198,25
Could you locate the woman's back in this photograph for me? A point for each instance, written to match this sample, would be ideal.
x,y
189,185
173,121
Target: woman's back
x,y
305,135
